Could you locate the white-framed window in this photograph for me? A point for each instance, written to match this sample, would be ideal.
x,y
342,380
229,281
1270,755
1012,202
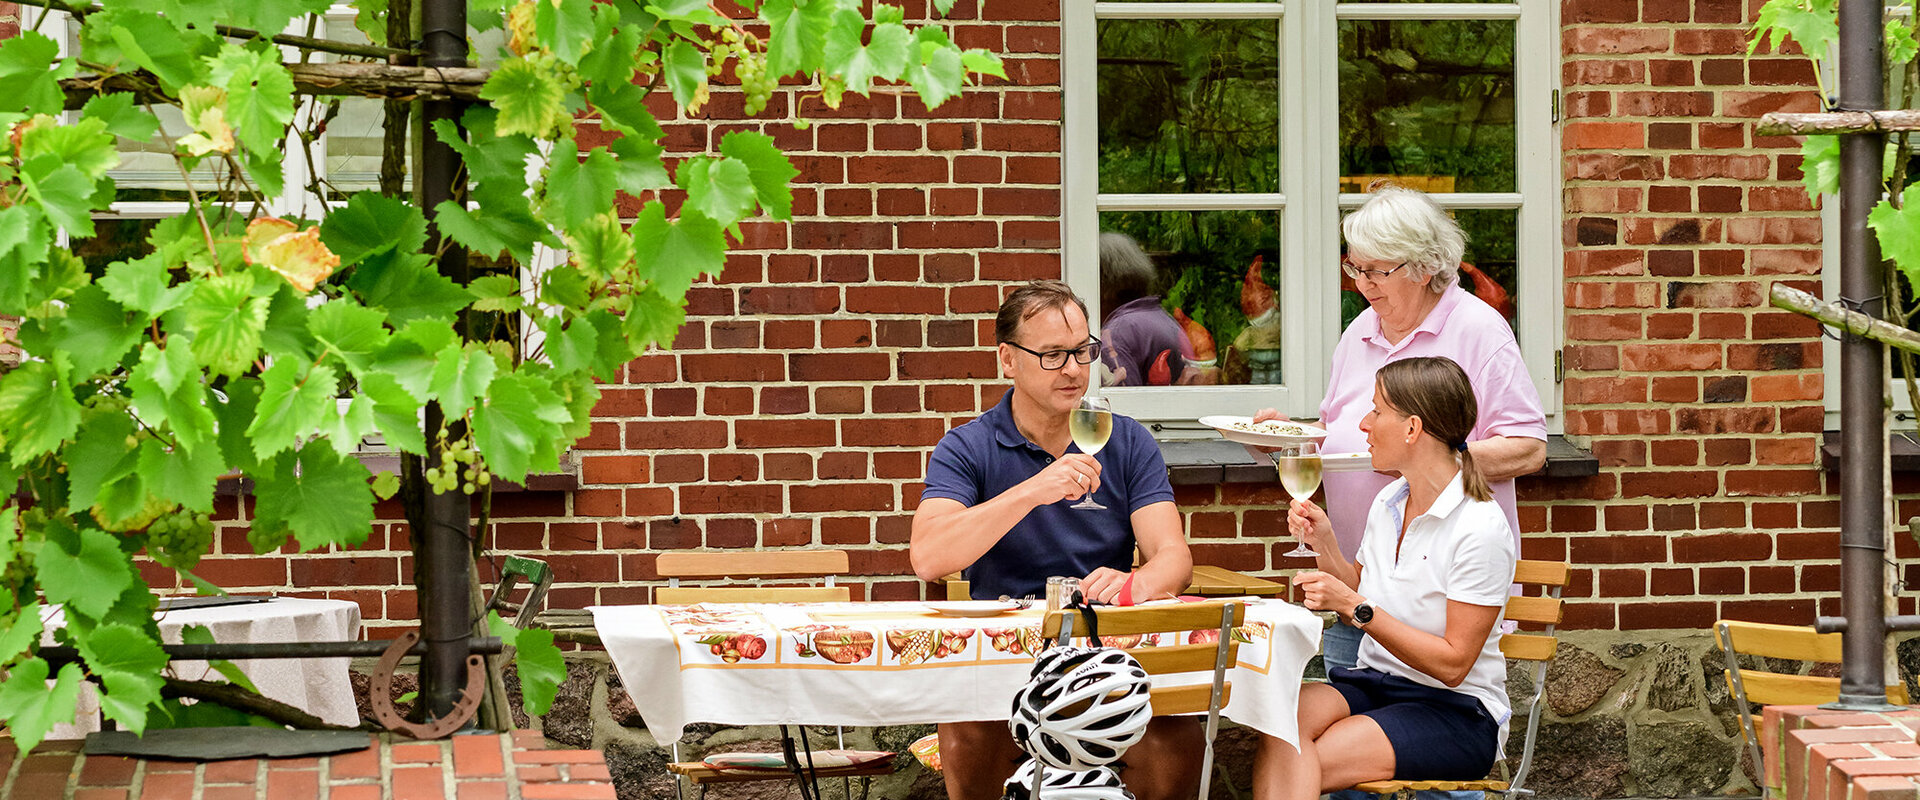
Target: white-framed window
x,y
1218,133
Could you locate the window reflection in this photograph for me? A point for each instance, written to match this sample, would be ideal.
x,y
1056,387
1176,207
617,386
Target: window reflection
x,y
1216,274
1428,104
1189,106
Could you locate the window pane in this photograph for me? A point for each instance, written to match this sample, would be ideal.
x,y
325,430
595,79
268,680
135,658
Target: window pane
x,y
1217,277
1189,106
1428,104
1490,270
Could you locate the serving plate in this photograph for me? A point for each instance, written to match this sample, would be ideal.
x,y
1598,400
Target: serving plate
x,y
974,608
1233,428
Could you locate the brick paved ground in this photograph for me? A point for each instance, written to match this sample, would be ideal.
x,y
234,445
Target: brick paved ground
x,y
514,766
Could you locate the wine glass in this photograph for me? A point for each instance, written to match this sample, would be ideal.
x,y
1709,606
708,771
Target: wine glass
x,y
1090,422
1299,465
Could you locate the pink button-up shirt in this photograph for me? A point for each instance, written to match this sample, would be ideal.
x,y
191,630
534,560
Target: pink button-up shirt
x,y
1462,328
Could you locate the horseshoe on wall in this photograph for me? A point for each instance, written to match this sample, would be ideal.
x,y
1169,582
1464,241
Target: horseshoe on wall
x,y
380,694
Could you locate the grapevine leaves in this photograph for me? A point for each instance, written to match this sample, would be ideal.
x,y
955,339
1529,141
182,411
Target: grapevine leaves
x,y
1899,233
31,707
30,73
538,662
316,495
82,568
128,663
37,410
518,423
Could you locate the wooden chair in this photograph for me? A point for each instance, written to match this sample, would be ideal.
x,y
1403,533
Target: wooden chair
x,y
1217,616
760,564
1542,609
765,564
1789,642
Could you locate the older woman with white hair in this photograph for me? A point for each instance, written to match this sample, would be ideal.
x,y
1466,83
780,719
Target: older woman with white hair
x,y
1403,254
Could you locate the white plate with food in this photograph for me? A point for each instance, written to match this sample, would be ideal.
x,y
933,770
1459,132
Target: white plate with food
x,y
975,608
1272,433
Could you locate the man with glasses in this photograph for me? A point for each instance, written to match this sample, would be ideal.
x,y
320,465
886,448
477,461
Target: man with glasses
x,y
996,505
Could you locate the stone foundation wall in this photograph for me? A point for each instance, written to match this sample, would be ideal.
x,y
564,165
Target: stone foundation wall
x,y
1626,714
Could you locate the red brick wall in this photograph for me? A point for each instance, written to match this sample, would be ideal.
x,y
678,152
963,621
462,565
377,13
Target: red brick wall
x,y
799,404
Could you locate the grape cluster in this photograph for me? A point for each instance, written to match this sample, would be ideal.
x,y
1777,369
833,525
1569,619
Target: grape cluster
x,y
460,467
180,538
749,66
265,540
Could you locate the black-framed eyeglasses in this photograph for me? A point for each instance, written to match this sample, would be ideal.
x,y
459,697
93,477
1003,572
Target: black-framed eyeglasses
x,y
1356,273
1057,359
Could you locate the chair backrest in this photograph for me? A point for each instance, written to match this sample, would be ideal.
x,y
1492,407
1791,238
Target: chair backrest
x,y
1217,616
1788,642
1547,578
807,564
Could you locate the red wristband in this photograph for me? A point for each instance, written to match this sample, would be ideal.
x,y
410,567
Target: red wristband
x,y
1126,593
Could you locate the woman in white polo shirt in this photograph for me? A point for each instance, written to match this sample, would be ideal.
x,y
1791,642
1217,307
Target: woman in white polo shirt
x,y
1427,699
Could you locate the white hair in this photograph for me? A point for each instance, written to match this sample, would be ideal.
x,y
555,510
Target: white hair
x,y
1405,226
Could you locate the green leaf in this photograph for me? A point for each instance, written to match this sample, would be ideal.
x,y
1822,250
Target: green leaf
x,y
128,663
491,230
693,12
769,169
292,404
100,456
259,94
85,144
1812,24
83,568
351,331
157,46
652,318
886,56
720,189
1820,164
518,424
144,286
570,347
612,57
234,413
345,428
37,410
578,190
982,62
117,111
496,293
96,332
937,74
227,321
410,356
565,29
486,15
460,375
370,18
395,411
565,285
640,163
201,634
623,108
685,68
318,496
24,631
530,97
181,475
64,193
672,254
1899,232
167,392
407,286
1901,47
30,72
611,350
23,230
264,167
371,224
538,662
386,485
30,708
798,34
601,247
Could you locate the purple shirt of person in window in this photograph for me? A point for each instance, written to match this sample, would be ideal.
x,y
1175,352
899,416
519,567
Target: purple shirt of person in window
x,y
1144,345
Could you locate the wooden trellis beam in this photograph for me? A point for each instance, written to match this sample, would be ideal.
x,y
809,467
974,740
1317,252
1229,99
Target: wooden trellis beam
x,y
1836,315
353,79
1828,122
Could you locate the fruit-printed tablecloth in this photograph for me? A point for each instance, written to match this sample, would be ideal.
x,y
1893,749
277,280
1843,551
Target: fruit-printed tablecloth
x,y
890,663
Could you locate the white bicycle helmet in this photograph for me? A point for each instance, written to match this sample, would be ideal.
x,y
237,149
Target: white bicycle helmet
x,y
1083,707
1098,783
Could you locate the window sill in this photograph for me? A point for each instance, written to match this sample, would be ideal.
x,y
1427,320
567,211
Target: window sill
x,y
566,480
1902,450
1214,461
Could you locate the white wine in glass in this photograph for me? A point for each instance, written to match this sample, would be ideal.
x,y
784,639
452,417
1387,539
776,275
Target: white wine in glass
x,y
1299,466
1090,423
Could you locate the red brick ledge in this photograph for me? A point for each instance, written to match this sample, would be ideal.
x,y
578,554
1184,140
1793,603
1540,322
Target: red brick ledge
x,y
1818,754
466,767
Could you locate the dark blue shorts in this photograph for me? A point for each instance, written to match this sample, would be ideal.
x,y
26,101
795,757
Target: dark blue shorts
x,y
1437,734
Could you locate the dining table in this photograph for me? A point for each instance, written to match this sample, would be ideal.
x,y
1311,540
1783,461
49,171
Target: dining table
x,y
896,663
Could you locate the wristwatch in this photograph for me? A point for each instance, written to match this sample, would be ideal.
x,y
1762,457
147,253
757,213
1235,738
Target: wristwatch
x,y
1362,614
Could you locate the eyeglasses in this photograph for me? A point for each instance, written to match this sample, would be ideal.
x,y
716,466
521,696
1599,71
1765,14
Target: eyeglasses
x,y
1057,359
1356,273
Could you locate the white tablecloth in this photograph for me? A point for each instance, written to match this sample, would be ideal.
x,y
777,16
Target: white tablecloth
x,y
320,686
889,663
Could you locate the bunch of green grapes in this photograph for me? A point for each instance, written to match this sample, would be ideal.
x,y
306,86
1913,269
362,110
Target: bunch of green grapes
x,y
180,538
751,68
265,541
460,467
16,581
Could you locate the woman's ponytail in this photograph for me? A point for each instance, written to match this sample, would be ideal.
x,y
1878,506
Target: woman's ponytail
x,y
1437,391
1471,479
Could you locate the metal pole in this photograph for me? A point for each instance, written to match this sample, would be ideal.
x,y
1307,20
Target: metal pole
x,y
247,650
1863,487
445,560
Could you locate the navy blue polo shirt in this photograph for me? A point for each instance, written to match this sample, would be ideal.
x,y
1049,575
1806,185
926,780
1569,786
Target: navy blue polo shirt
x,y
980,460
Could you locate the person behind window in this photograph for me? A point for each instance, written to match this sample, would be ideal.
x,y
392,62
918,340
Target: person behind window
x,y
1144,345
1403,255
1428,699
996,506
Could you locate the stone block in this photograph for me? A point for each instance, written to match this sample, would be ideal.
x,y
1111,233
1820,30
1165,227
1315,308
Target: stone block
x,y
1581,759
1577,679
1678,759
1670,687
